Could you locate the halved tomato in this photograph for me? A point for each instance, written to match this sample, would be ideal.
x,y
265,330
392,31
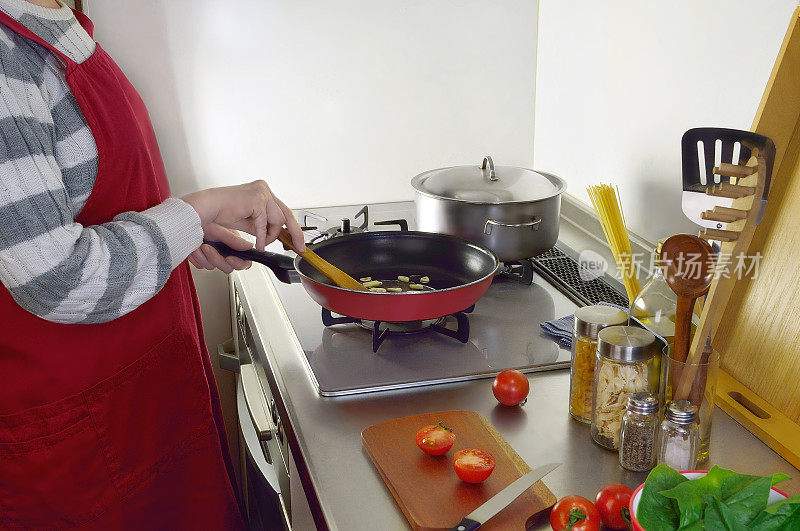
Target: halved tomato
x,y
473,465
436,439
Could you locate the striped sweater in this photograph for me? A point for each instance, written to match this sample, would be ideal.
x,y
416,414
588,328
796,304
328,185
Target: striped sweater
x,y
53,266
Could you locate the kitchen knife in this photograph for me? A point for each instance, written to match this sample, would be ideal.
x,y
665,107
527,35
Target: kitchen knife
x,y
503,499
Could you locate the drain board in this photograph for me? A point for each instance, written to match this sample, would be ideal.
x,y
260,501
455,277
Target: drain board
x,y
564,273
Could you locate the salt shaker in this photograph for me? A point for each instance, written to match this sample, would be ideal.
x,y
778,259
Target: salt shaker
x,y
679,437
638,432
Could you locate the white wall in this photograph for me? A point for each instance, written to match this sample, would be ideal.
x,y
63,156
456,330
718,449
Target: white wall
x,y
619,81
333,102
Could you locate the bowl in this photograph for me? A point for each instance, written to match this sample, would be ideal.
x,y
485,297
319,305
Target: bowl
x,y
774,496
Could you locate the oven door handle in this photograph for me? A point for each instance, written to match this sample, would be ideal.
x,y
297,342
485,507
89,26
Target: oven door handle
x,y
246,403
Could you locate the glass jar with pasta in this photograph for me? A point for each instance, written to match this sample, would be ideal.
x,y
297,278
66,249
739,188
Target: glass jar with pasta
x,y
588,322
623,365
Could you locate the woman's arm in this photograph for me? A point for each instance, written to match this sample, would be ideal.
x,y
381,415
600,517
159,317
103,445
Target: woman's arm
x,y
65,272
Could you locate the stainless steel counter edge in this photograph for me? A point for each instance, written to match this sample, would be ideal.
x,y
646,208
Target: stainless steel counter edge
x,y
257,283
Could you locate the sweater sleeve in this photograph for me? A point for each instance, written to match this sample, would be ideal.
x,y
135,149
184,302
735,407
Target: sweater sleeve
x,y
53,266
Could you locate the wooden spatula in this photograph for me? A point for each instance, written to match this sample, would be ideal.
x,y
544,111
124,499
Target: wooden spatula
x,y
336,275
748,191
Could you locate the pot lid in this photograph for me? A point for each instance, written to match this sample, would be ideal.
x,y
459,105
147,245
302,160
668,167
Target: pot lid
x,y
487,183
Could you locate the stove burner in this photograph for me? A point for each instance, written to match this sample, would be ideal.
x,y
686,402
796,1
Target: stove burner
x,y
380,330
520,271
345,225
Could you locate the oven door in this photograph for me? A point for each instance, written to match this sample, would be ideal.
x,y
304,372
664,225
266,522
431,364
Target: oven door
x,y
264,499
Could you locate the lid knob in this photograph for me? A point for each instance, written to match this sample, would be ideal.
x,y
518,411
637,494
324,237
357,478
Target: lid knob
x,y
487,161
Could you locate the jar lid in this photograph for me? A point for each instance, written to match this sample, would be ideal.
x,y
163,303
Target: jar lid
x,y
643,403
589,320
486,183
626,343
681,412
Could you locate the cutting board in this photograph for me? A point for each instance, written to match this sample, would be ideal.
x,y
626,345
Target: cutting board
x,y
759,336
426,487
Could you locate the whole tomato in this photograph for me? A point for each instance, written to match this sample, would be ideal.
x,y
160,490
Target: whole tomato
x,y
510,387
612,504
575,513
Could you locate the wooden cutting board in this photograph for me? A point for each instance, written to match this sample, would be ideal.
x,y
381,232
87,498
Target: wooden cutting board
x,y
426,487
759,336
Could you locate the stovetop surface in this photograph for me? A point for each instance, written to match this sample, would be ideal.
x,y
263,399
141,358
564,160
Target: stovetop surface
x,y
504,332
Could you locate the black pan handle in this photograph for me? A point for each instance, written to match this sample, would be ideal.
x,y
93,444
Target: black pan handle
x,y
280,264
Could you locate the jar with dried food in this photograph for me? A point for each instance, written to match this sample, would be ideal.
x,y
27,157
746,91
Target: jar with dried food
x,y
588,322
623,365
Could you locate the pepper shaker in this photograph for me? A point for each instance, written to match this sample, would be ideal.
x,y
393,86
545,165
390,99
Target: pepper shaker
x,y
678,440
638,433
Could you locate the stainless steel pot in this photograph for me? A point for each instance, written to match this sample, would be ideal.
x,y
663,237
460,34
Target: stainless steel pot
x,y
513,211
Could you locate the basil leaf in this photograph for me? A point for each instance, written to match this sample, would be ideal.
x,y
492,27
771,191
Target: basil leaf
x,y
784,516
655,512
691,496
752,499
721,517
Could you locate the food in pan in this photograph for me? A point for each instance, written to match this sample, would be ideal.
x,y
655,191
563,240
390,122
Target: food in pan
x,y
404,283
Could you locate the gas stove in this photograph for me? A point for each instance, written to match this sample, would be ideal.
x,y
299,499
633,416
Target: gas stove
x,y
347,356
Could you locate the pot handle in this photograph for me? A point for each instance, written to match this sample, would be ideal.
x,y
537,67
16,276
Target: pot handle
x,y
487,161
533,224
280,264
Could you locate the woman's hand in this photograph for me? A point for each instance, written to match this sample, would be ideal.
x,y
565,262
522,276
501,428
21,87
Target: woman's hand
x,y
251,208
206,257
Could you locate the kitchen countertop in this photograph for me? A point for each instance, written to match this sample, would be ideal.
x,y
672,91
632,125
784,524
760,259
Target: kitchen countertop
x,y
351,494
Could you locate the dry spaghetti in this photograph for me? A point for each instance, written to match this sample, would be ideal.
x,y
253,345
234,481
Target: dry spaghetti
x,y
609,210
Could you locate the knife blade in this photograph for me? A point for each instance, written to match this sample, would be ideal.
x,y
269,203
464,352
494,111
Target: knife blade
x,y
503,499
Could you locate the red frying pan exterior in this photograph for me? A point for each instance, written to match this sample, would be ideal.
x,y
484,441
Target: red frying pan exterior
x,y
396,307
460,272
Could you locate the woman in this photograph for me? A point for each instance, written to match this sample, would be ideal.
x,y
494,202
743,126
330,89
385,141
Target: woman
x,y
109,414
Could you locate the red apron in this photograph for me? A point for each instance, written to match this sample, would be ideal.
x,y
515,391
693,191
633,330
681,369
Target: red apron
x,y
113,425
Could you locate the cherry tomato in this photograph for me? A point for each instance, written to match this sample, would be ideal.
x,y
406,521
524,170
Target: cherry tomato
x,y
575,513
436,439
612,504
473,465
510,387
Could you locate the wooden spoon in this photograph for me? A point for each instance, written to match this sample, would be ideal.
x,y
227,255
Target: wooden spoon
x,y
336,275
689,271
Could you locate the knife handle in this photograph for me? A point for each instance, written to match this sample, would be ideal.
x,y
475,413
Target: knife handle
x,y
466,525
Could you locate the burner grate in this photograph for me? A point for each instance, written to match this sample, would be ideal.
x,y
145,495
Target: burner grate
x,y
381,331
564,273
520,271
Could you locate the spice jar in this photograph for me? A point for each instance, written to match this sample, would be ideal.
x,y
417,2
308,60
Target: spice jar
x,y
624,364
637,435
679,436
588,322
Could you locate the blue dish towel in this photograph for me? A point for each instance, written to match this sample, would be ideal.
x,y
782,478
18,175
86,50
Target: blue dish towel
x,y
561,329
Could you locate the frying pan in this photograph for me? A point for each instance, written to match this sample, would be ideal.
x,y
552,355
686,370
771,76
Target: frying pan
x,y
460,272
